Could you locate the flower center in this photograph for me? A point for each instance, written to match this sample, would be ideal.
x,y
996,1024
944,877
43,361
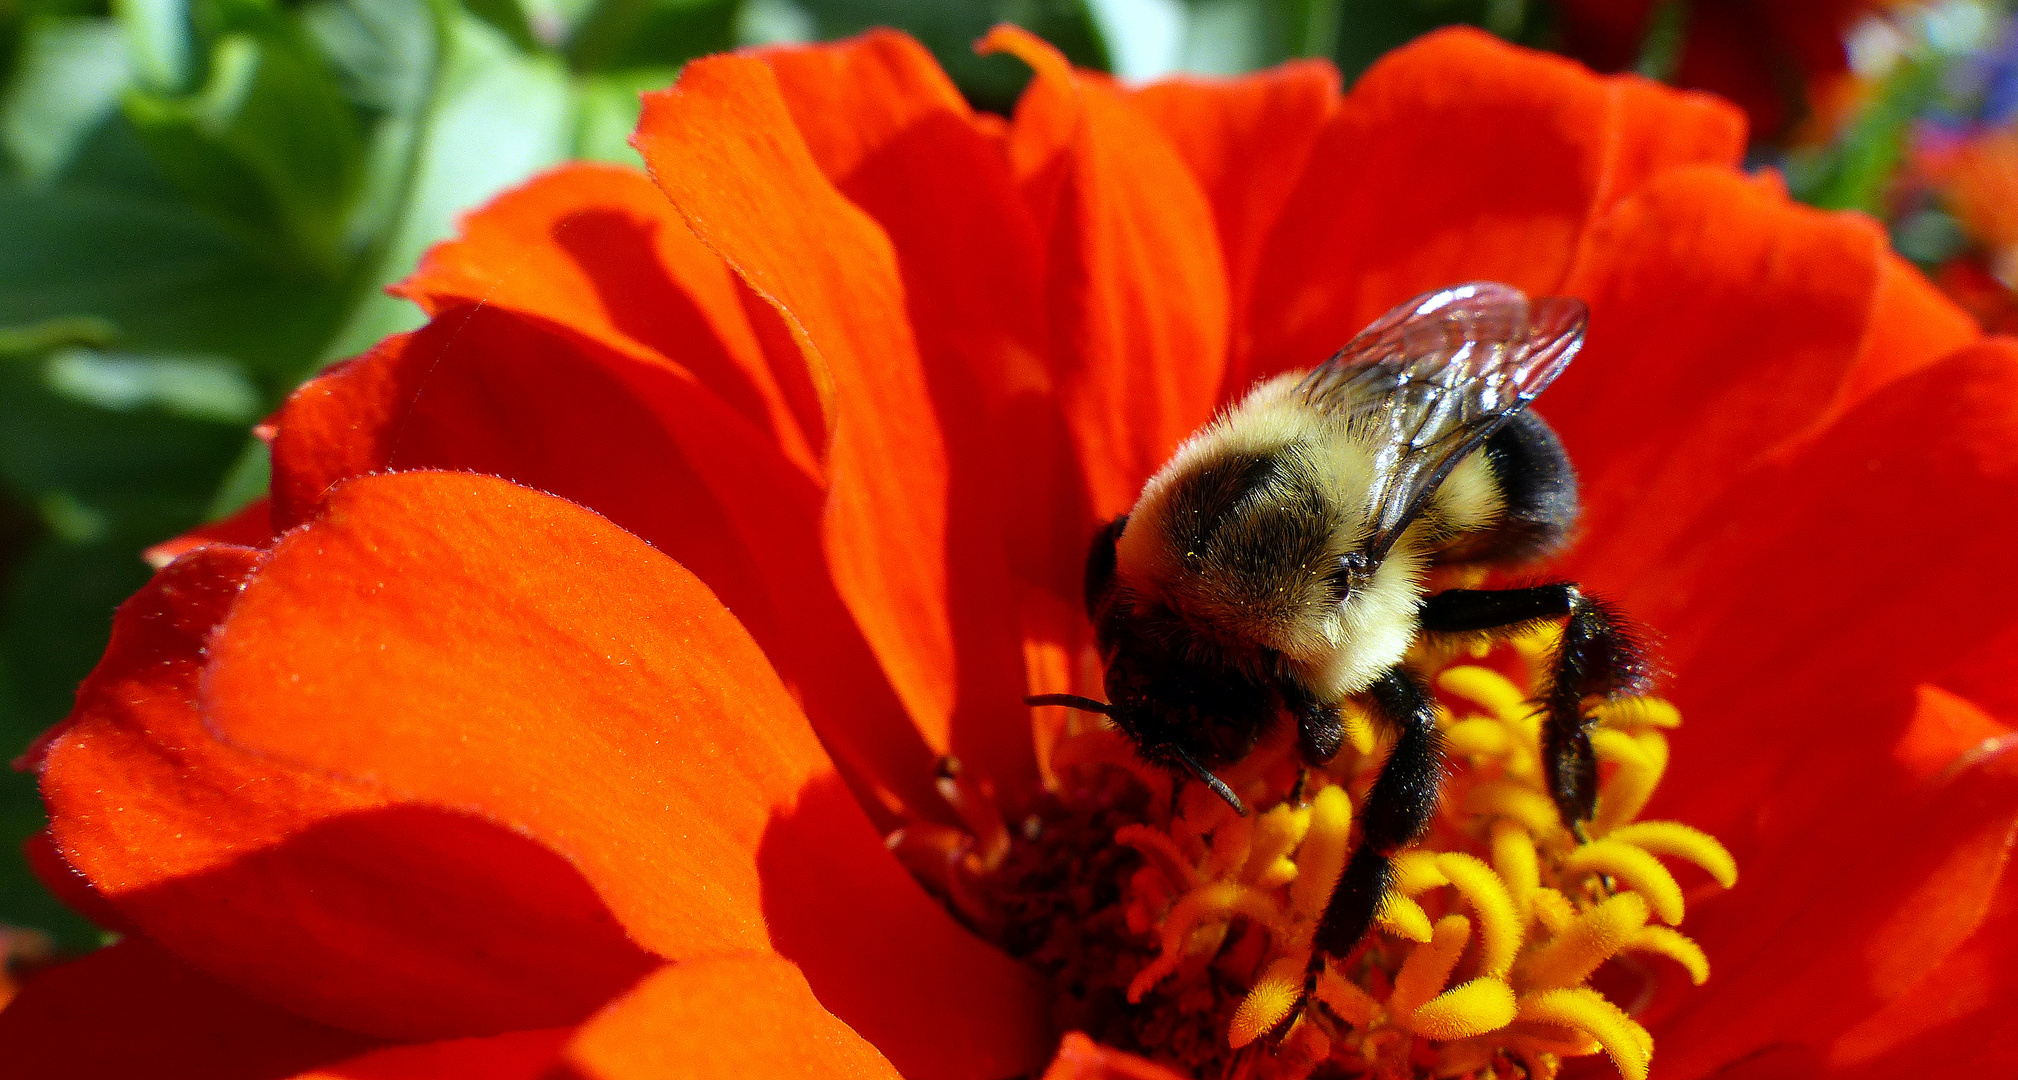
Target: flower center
x,y
1175,929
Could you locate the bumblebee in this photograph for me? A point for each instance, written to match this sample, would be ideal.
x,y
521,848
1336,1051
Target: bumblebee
x,y
1275,568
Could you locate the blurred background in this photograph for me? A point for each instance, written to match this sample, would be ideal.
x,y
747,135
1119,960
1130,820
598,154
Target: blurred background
x,y
202,200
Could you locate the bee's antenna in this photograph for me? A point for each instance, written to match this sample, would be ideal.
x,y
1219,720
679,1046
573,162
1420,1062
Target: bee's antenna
x,y
1215,783
1070,701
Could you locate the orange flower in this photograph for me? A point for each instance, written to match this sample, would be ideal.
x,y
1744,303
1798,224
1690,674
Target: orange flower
x,y
549,718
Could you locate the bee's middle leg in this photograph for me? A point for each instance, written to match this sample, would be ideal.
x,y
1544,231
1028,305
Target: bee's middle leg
x,y
1396,811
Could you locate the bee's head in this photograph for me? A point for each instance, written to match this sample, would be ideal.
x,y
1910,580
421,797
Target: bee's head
x,y
1182,717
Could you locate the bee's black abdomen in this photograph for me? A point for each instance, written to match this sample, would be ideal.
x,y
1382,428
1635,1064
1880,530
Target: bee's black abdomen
x,y
1540,488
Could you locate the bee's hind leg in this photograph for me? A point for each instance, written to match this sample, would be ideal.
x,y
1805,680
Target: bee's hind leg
x,y
1396,811
1599,656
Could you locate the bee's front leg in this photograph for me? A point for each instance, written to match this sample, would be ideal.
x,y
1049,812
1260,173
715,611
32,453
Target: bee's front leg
x,y
1396,811
1320,730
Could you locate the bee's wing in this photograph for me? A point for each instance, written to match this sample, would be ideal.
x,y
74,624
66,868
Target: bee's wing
x,y
1431,380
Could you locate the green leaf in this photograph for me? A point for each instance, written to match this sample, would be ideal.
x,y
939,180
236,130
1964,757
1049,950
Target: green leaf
x,y
384,52
1310,27
1368,29
509,18
1855,171
647,33
1929,236
608,109
69,78
161,42
151,462
248,478
268,147
498,117
195,387
1227,37
1661,47
165,278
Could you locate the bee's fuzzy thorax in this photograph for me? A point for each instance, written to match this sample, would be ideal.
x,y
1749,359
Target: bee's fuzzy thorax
x,y
1242,532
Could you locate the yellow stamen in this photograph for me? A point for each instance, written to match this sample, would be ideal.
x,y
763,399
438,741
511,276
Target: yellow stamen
x,y
1277,874
1585,943
1637,712
1639,870
1506,798
1553,910
1492,692
1322,855
1344,997
1358,729
1477,738
1673,945
1631,785
1415,873
1265,1006
1403,917
1500,929
1620,748
1586,1010
1218,902
1428,966
1680,841
1474,1008
1514,859
1277,832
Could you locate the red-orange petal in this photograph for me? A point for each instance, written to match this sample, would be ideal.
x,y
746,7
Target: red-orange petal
x,y
1800,630
893,135
1459,157
1080,1058
1725,322
455,640
722,145
1137,295
1908,887
68,884
598,250
1246,141
308,891
643,443
132,1010
251,526
514,1055
724,1018
1956,1021
1911,325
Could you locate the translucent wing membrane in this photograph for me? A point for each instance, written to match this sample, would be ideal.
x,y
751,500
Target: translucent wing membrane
x,y
1428,382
